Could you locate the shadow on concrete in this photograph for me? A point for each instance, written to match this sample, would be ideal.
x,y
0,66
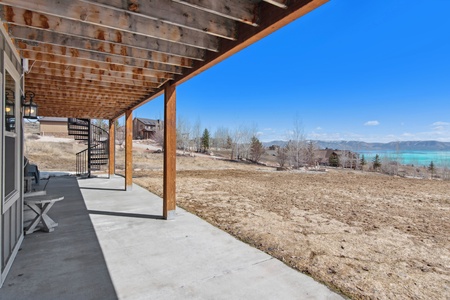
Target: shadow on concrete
x,y
65,264
129,215
102,189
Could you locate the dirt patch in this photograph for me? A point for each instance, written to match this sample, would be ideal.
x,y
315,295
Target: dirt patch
x,y
367,235
52,153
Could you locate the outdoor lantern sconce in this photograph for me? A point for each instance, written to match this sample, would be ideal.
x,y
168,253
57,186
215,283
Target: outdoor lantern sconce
x,y
10,105
29,107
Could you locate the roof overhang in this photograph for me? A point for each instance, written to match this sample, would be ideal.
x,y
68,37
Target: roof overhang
x,y
100,58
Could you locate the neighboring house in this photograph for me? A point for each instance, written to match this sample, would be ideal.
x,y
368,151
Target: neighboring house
x,y
144,129
323,156
348,158
53,126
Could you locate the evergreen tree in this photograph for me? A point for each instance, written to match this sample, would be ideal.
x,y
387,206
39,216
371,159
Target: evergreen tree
x,y
363,162
333,161
431,168
376,162
256,149
205,140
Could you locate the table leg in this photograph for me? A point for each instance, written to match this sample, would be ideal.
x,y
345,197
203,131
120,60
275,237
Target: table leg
x,y
41,211
32,227
47,222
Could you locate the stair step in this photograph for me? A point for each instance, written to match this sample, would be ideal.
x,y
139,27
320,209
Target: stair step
x,y
86,129
77,131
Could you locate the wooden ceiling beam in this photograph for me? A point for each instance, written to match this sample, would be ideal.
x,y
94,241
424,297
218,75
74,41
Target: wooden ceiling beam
x,y
61,86
97,101
62,96
174,13
88,104
104,68
279,3
45,90
30,77
80,103
96,79
96,75
130,56
108,40
47,53
238,10
82,17
82,113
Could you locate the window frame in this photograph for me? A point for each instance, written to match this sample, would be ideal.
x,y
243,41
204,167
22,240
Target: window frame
x,y
12,197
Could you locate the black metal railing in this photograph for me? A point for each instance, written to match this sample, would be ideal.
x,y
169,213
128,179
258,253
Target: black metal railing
x,y
97,138
81,163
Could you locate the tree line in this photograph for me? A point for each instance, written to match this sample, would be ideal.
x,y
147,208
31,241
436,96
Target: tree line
x,y
242,142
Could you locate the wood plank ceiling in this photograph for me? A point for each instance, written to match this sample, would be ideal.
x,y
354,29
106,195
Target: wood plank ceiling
x,y
99,58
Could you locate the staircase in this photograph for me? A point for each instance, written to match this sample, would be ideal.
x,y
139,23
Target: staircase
x,y
97,140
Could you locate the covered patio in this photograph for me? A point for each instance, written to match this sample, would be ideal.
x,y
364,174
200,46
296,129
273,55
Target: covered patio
x,y
113,244
101,59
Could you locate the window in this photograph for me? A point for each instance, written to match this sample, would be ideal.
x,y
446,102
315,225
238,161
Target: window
x,y
11,138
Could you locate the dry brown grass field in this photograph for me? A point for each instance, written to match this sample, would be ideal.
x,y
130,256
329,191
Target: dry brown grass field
x,y
367,235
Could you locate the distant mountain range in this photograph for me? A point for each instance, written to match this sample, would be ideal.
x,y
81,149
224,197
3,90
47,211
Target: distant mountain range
x,y
363,146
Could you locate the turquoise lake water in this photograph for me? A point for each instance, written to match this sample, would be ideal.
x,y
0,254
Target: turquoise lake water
x,y
417,158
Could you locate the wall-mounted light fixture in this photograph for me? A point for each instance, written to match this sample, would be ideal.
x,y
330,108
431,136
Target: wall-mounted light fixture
x,y
9,105
30,108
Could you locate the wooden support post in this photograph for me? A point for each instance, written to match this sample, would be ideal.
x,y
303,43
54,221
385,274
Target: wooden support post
x,y
112,147
170,147
129,150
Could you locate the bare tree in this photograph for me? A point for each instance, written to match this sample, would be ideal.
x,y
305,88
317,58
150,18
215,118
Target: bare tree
x,y
445,173
120,135
248,132
389,165
282,157
343,158
297,143
241,138
159,137
357,161
220,137
197,134
183,133
103,124
236,138
309,154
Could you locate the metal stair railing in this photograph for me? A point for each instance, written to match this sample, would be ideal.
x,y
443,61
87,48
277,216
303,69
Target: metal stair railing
x,y
97,153
81,163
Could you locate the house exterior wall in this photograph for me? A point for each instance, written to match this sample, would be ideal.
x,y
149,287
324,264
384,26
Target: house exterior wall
x,y
53,128
136,123
143,131
11,211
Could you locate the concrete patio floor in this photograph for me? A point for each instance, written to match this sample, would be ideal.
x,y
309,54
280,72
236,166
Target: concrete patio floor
x,y
112,244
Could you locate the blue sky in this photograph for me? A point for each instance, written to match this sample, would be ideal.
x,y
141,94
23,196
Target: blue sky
x,y
374,71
